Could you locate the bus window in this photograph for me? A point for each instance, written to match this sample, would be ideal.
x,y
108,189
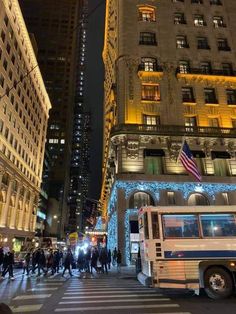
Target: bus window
x,y
155,227
218,225
180,226
146,232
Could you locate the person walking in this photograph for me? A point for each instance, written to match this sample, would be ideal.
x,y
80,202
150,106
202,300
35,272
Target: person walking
x,y
26,266
118,260
49,263
114,256
94,259
109,259
68,262
41,262
56,261
35,260
103,260
8,263
81,260
1,258
87,260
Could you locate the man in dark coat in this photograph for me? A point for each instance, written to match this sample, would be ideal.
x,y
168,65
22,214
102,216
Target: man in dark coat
x,y
68,262
1,257
103,259
41,262
8,263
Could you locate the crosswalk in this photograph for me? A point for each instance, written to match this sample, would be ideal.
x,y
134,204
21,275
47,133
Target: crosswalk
x,y
113,296
98,295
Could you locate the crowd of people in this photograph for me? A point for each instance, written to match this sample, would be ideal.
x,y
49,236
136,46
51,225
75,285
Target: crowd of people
x,y
41,261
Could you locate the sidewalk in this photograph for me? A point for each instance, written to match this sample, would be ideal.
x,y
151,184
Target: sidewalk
x,y
127,272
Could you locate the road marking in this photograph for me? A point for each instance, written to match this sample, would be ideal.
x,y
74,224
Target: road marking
x,y
52,280
112,301
26,308
32,296
112,296
49,284
104,289
118,307
42,289
108,292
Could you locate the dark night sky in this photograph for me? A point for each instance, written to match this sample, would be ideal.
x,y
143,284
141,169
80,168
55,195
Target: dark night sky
x,y
94,90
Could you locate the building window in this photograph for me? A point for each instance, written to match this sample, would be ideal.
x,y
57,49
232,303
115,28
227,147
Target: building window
x,y
233,123
147,14
225,198
148,64
150,92
147,38
227,68
140,199
215,2
153,161
202,43
190,121
197,1
198,199
213,122
171,198
199,20
222,44
181,42
210,96
231,96
187,94
220,163
184,66
151,120
205,67
218,21
179,18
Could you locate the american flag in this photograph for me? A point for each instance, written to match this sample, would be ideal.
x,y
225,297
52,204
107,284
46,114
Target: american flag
x,y
186,157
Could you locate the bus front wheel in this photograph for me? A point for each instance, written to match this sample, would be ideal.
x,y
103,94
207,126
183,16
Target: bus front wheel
x,y
218,283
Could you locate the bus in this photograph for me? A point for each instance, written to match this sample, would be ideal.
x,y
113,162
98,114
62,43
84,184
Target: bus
x,y
190,247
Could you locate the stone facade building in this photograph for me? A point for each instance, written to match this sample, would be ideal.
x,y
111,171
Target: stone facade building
x,y
24,107
170,73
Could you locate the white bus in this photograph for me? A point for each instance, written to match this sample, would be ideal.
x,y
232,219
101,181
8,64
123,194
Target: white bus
x,y
189,247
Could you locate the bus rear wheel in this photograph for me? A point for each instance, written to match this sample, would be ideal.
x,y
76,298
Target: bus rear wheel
x,y
218,283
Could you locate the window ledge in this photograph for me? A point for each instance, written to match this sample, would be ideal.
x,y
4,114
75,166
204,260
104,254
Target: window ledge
x,y
189,103
212,104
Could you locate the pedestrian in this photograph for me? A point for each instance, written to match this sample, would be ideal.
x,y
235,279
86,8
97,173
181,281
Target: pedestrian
x,y
103,260
41,262
61,255
109,259
94,259
26,266
87,260
81,260
68,262
1,258
8,263
114,256
118,260
35,260
56,261
49,263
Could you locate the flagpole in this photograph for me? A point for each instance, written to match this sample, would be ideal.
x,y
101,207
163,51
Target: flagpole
x,y
181,148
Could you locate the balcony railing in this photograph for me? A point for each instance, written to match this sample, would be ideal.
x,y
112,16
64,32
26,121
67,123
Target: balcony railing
x,y
154,68
206,72
173,130
147,42
151,98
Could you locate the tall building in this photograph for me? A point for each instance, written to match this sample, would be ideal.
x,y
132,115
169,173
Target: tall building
x,y
80,149
170,73
55,25
24,107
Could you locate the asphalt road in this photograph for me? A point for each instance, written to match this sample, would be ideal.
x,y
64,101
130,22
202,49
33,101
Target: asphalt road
x,y
102,294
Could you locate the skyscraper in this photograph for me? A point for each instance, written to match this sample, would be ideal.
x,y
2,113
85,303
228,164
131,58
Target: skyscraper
x,y
169,74
24,108
56,27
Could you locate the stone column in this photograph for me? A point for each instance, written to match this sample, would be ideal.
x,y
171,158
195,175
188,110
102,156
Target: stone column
x,y
23,209
121,208
29,214
14,212
6,206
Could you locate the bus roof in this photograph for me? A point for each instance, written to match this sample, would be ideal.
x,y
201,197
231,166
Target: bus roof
x,y
188,209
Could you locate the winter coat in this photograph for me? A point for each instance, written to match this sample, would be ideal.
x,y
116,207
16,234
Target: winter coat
x,y
118,258
68,260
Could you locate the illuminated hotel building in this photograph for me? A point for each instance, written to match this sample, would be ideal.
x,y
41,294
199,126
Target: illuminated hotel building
x,y
170,72
24,107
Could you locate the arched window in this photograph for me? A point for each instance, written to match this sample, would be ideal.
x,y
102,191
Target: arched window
x,y
198,199
140,199
147,14
148,64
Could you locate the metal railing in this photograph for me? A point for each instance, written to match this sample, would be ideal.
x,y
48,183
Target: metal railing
x,y
206,71
173,130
